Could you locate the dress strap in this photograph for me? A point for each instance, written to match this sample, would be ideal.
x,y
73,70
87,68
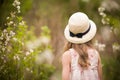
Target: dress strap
x,y
72,52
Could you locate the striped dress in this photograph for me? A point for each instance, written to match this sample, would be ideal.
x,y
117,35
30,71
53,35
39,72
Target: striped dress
x,y
88,74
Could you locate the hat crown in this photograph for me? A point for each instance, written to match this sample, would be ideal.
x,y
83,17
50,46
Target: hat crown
x,y
78,23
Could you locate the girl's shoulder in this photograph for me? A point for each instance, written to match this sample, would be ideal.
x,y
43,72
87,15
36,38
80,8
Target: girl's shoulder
x,y
93,52
66,55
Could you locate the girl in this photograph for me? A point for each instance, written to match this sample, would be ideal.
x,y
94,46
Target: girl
x,y
80,61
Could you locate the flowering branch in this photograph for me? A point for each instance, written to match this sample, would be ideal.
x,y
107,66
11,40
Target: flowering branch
x,y
106,21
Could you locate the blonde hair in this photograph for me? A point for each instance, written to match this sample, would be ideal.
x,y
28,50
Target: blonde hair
x,y
82,51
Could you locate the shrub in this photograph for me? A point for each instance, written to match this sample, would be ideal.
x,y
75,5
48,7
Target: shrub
x,y
16,60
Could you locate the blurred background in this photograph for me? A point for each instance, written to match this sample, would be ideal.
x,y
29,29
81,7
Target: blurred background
x,y
32,36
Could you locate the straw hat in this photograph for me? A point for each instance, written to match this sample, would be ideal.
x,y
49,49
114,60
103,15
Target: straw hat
x,y
80,28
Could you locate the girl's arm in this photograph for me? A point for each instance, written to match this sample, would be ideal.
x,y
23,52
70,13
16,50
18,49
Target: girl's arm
x,y
66,66
100,68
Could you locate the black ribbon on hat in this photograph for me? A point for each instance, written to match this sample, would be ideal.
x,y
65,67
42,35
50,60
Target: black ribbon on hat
x,y
79,35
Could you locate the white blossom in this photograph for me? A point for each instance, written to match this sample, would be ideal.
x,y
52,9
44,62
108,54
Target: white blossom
x,y
18,7
18,11
16,3
116,47
10,23
100,46
101,9
4,31
22,23
103,14
12,14
12,33
31,50
15,39
28,69
14,24
103,21
16,57
24,58
3,49
7,37
27,53
22,43
6,43
8,18
31,71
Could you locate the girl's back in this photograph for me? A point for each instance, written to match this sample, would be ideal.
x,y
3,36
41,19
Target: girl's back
x,y
91,73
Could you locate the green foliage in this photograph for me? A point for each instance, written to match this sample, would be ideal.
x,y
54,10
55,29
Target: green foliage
x,y
111,62
16,60
44,72
111,65
26,5
46,31
114,22
6,7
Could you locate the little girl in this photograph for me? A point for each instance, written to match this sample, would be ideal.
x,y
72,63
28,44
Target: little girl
x,y
80,61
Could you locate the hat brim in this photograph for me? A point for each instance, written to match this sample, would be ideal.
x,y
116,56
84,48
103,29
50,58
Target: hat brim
x,y
85,38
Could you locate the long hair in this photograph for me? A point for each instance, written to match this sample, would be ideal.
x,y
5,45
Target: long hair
x,y
82,51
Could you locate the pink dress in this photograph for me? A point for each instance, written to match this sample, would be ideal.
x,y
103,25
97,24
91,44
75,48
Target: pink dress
x,y
89,74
